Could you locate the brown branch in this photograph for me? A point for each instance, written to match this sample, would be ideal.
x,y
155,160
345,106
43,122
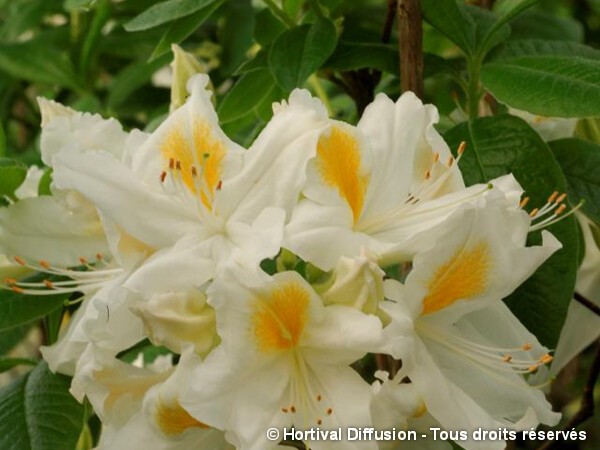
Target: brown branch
x,y
410,37
587,303
386,34
586,407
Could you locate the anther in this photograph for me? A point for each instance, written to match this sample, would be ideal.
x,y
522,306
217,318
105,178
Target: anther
x,y
534,212
560,198
553,197
194,171
293,409
546,359
10,281
428,175
450,161
527,347
99,256
319,422
329,411
20,260
319,398
178,165
45,264
220,185
163,176
205,155
285,410
436,157
524,202
17,289
533,369
507,358
461,148
82,260
48,284
171,163
560,209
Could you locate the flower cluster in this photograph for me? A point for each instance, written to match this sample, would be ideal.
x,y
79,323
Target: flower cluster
x,y
328,276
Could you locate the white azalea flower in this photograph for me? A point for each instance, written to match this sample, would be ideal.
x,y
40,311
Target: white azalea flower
x,y
582,326
549,128
380,185
191,198
284,360
461,347
161,422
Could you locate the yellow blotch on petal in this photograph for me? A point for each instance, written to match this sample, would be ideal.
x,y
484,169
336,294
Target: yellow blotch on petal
x,y
200,156
173,420
339,164
464,276
279,317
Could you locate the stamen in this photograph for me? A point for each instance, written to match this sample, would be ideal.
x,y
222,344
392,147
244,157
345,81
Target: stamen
x,y
553,197
293,409
561,198
560,209
428,175
10,281
319,398
285,410
450,161
436,157
524,202
546,359
319,422
48,284
44,264
163,176
527,347
171,163
534,212
461,148
533,369
20,260
507,358
329,411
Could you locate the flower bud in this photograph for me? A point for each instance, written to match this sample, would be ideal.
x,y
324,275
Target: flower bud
x,y
184,65
358,282
176,318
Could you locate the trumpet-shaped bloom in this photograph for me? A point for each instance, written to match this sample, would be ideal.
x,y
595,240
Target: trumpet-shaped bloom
x,y
461,347
379,185
196,197
284,360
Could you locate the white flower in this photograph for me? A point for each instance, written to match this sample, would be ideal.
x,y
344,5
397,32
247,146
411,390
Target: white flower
x,y
549,128
284,360
461,347
582,326
380,186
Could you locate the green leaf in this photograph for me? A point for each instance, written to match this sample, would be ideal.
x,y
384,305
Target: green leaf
x,y
358,55
36,62
45,182
180,29
134,77
165,12
509,9
12,175
487,32
2,141
9,363
38,413
540,47
246,94
299,52
558,86
452,21
506,144
69,5
538,24
580,161
102,12
267,27
11,337
260,61
18,309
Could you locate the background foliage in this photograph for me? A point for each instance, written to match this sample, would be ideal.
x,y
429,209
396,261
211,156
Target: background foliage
x,y
111,57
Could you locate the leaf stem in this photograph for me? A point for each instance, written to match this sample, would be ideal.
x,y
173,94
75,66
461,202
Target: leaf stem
x,y
280,13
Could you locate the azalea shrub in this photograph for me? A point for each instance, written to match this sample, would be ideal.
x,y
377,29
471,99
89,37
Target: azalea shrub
x,y
313,224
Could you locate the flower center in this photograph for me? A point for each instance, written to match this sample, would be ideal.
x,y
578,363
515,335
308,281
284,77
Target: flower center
x,y
279,318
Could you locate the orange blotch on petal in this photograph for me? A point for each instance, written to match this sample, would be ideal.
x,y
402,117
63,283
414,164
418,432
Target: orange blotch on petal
x,y
464,276
339,164
173,420
279,317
